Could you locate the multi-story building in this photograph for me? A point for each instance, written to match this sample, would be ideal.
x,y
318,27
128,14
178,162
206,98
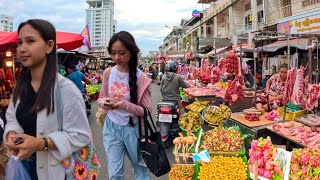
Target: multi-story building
x,y
6,23
100,17
299,17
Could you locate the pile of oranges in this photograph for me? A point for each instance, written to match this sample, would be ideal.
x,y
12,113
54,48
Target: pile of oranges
x,y
181,172
223,168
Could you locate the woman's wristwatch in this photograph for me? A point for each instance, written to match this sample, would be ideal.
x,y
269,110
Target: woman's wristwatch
x,y
46,144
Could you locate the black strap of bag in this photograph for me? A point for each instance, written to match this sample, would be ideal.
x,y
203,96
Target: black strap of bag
x,y
151,148
147,125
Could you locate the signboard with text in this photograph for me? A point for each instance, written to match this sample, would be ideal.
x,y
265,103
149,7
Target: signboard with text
x,y
304,25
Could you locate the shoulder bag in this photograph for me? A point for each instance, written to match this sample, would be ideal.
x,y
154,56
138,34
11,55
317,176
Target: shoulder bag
x,y
82,164
151,147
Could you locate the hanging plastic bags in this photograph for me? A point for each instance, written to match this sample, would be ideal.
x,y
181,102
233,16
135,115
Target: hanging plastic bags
x,y
15,170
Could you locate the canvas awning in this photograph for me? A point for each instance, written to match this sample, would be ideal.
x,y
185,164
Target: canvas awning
x,y
301,43
65,40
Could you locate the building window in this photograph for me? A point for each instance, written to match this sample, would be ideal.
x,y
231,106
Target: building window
x,y
247,7
259,2
260,16
248,22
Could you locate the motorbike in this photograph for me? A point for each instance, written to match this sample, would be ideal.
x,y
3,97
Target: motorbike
x,y
87,102
167,120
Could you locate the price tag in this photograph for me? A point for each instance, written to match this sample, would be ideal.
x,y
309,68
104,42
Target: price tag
x,y
202,156
165,118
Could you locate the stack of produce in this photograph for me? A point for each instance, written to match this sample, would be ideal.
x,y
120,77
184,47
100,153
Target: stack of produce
x,y
93,89
181,172
264,154
221,85
231,63
222,141
216,115
197,106
305,164
190,121
221,167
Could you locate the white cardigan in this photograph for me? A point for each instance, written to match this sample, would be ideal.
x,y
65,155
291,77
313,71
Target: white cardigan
x,y
75,135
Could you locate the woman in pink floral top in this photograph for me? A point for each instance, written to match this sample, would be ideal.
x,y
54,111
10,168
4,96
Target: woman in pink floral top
x,y
274,90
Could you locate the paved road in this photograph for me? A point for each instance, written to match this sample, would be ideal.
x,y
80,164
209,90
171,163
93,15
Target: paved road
x,y
97,135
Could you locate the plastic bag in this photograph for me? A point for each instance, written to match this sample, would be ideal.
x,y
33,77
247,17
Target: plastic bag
x,y
15,170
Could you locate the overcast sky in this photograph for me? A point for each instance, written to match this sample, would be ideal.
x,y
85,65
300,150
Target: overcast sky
x,y
145,19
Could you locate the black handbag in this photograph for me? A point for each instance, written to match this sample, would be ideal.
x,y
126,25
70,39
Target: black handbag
x,y
151,147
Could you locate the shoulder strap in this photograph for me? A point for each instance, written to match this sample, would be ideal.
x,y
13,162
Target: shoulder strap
x,y
108,70
58,106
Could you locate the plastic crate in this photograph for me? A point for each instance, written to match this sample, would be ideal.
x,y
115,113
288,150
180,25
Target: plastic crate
x,y
290,115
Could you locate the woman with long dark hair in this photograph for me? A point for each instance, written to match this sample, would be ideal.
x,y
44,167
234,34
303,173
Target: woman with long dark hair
x,y
125,91
33,132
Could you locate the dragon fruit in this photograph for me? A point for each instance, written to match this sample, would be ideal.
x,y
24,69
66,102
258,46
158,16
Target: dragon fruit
x,y
294,167
261,171
304,158
265,154
261,163
305,164
269,165
313,161
268,174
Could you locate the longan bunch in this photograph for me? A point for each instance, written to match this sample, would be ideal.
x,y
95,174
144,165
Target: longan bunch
x,y
223,168
181,172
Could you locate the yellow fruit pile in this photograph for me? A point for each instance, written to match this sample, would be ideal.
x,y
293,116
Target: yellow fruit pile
x,y
197,106
181,172
221,85
223,168
216,115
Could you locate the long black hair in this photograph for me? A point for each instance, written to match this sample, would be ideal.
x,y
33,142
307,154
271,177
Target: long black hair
x,y
45,97
128,41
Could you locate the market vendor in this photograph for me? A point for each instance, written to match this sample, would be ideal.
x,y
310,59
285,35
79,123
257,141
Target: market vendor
x,y
274,91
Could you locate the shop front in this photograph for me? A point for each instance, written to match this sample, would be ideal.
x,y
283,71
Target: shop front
x,y
305,23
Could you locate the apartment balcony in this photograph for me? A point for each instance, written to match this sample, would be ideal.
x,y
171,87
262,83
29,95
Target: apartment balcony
x,y
216,9
274,16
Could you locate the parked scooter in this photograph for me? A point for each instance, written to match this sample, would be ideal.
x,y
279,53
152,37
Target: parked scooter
x,y
167,119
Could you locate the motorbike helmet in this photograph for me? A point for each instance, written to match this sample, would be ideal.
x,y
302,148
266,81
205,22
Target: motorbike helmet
x,y
171,66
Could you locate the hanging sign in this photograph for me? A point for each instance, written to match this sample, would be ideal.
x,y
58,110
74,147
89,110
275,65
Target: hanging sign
x,y
304,25
196,13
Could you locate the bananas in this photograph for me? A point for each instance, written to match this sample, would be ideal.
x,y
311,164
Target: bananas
x,y
221,85
216,115
190,121
197,106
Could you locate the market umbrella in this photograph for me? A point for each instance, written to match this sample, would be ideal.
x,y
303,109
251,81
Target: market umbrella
x,y
69,41
65,40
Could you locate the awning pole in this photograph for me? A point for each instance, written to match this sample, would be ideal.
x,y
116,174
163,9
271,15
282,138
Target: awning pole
x,y
288,55
255,72
240,58
310,59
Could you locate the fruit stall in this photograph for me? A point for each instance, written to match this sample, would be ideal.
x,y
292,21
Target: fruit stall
x,y
219,141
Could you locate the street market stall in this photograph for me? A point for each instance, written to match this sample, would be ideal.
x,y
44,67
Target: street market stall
x,y
247,142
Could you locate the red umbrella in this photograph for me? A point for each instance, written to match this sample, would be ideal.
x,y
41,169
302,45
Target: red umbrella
x,y
65,40
69,41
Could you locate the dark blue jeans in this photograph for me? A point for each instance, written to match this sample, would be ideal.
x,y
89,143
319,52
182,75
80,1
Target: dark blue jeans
x,y
30,166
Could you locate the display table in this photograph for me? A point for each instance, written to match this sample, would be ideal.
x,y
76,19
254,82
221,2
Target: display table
x,y
253,129
287,137
240,117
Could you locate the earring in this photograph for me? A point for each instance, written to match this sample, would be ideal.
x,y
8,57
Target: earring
x,y
48,52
